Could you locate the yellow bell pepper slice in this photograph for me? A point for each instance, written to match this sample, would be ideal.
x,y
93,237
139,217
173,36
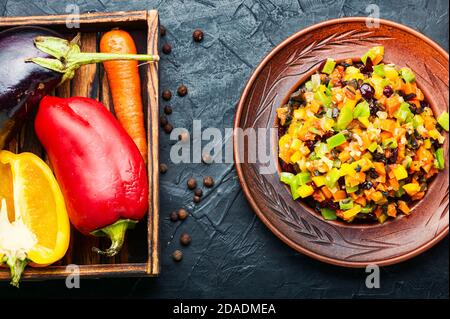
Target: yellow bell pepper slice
x,y
348,215
411,189
34,224
400,172
305,191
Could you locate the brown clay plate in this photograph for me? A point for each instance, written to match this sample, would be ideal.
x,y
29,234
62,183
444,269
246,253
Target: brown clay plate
x,y
285,68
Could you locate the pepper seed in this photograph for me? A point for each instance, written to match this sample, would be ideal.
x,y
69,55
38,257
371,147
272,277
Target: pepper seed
x,y
197,199
182,214
163,120
173,216
168,109
162,31
208,181
198,192
166,95
177,255
197,35
163,168
182,90
168,128
166,48
185,239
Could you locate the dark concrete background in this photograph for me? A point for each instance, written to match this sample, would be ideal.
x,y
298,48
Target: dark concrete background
x,y
233,254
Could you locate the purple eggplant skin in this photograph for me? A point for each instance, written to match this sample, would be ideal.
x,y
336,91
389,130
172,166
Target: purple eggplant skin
x,y
22,84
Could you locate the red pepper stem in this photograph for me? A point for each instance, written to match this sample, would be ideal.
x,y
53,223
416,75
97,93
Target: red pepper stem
x,y
116,232
16,266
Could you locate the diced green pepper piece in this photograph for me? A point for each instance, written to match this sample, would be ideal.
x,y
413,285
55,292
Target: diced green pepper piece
x,y
332,177
315,81
351,189
328,214
440,158
345,118
407,74
336,140
400,192
372,53
443,120
379,70
372,147
328,68
417,120
321,149
390,142
346,204
286,177
404,114
309,86
361,110
322,97
303,178
366,209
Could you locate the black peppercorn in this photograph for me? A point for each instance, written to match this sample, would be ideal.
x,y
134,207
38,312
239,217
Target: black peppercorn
x,y
163,120
197,35
168,128
173,216
177,255
208,181
162,31
182,214
166,95
185,239
168,109
192,183
206,158
163,168
198,192
197,199
166,48
183,137
182,90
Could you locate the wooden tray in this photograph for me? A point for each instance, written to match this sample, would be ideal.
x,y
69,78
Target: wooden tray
x,y
139,256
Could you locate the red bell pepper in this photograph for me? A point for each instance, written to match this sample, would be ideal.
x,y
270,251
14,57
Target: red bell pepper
x,y
99,168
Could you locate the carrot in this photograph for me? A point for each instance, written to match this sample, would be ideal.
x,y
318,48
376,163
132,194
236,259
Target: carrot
x,y
125,85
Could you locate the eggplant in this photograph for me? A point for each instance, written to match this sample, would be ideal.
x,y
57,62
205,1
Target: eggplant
x,y
22,84
35,61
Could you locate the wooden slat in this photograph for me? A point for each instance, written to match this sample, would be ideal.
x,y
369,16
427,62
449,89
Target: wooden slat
x,y
93,271
83,85
87,20
91,81
153,143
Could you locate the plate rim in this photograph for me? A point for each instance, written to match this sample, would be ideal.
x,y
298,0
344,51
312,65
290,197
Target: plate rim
x,y
297,247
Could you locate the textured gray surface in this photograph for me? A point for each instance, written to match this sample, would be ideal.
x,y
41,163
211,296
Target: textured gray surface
x,y
233,254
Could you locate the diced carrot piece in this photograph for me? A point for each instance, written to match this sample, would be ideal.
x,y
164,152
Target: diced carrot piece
x,y
360,177
318,195
340,195
409,88
415,166
378,211
379,168
403,207
344,156
381,187
385,135
418,196
392,104
388,125
391,210
326,192
361,200
394,184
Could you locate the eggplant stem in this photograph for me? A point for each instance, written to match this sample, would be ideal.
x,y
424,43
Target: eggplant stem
x,y
116,232
67,56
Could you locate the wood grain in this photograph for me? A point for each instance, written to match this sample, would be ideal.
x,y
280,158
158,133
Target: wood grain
x,y
153,144
91,81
